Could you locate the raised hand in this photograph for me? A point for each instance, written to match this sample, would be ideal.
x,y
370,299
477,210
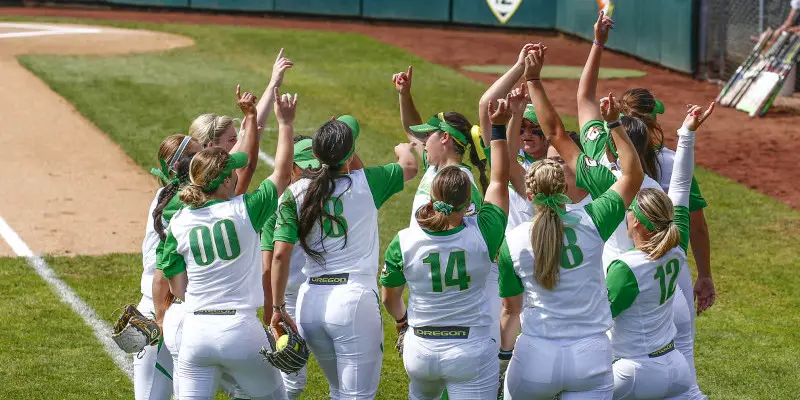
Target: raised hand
x,y
518,99
285,107
402,81
501,114
246,102
524,53
601,28
279,68
609,109
695,116
534,61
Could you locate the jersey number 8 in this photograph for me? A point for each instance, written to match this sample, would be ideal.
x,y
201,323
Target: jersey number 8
x,y
334,225
454,275
225,241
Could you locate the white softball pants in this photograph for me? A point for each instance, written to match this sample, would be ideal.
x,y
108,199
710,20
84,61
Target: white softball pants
x,y
215,344
152,373
295,383
684,318
342,327
467,368
572,368
645,378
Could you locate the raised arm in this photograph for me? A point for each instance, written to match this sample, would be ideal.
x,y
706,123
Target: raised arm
x,y
285,110
268,98
500,87
517,101
549,120
497,192
587,87
789,20
248,143
409,115
683,169
632,175
406,159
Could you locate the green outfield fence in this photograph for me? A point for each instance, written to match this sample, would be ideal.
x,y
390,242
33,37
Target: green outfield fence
x,y
663,32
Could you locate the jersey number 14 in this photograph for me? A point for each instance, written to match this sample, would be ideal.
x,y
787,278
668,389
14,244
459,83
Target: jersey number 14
x,y
454,275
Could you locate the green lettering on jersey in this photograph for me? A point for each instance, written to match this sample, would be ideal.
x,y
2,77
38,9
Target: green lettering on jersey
x,y
335,226
454,275
672,267
571,254
225,240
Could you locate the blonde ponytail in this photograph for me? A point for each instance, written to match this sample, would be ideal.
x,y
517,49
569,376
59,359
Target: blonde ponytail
x,y
656,206
430,219
205,166
450,191
546,178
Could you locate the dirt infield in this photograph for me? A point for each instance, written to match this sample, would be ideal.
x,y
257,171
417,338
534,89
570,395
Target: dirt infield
x,y
751,151
69,188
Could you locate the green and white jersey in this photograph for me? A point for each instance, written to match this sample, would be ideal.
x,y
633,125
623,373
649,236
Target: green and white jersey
x,y
423,195
666,161
520,209
149,245
297,260
351,245
446,272
620,242
640,291
524,159
217,245
578,305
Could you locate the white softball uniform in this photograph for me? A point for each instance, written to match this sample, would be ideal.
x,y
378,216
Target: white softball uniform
x,y
338,311
217,246
449,343
520,209
152,373
563,348
295,383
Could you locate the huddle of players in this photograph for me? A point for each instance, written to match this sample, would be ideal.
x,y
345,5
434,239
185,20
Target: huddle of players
x,y
538,234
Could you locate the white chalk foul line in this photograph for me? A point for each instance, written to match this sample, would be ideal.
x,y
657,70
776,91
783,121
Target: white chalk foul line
x,y
99,327
266,158
42,30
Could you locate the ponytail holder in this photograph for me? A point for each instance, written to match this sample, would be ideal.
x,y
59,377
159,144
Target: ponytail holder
x,y
443,207
658,108
162,173
476,138
637,212
556,203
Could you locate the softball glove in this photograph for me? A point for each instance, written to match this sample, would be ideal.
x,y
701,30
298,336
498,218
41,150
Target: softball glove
x,y
133,331
293,357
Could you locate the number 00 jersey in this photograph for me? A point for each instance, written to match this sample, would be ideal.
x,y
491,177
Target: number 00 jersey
x,y
349,245
578,305
446,271
218,247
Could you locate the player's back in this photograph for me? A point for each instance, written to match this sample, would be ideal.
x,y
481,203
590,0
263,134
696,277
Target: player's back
x,y
221,250
446,274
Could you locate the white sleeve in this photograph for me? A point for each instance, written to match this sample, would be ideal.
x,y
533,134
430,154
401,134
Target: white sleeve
x,y
683,169
795,4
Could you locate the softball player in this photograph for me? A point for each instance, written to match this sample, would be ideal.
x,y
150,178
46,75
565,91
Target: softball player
x,y
642,282
303,159
152,373
450,343
555,261
211,257
333,212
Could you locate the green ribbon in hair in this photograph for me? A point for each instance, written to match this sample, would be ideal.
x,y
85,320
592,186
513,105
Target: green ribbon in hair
x,y
161,173
556,203
447,208
637,212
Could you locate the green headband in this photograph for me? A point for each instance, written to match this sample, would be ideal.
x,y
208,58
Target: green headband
x,y
637,212
355,128
438,122
166,168
235,161
530,114
447,208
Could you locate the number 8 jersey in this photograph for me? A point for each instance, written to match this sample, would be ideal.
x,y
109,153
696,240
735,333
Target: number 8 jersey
x,y
219,248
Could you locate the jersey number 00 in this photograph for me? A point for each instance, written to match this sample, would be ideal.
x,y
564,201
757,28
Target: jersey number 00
x,y
224,240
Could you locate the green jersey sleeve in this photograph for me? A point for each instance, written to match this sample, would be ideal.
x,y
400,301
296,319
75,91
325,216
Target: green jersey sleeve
x,y
171,262
593,177
172,207
622,287
509,282
696,200
594,138
492,224
384,182
607,212
682,219
286,220
392,274
261,203
267,232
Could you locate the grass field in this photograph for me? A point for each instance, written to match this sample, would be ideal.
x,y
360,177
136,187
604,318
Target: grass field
x,y
748,344
561,71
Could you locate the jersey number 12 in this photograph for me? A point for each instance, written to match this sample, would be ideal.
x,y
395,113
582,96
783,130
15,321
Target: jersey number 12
x,y
454,275
672,268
